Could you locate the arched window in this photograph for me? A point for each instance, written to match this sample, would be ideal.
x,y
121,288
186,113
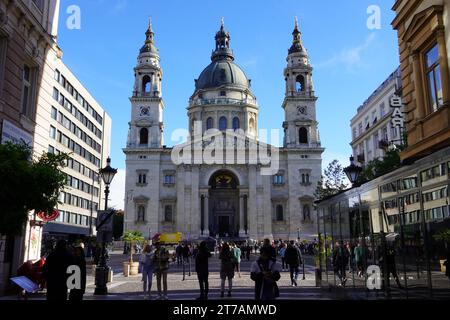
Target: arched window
x,y
223,124
306,213
209,123
303,135
168,213
143,136
146,84
141,214
236,124
142,178
299,83
279,213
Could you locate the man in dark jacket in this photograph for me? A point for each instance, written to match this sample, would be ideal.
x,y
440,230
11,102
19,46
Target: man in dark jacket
x,y
265,272
340,261
55,271
293,258
201,267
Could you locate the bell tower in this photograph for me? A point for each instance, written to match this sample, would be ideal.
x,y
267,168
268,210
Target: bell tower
x,y
300,126
146,126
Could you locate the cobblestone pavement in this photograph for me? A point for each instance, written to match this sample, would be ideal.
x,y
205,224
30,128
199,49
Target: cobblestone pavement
x,y
130,288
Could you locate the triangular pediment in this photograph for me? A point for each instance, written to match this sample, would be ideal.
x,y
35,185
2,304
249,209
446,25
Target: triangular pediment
x,y
420,19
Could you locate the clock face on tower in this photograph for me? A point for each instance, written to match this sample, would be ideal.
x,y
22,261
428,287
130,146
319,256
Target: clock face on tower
x,y
144,111
302,110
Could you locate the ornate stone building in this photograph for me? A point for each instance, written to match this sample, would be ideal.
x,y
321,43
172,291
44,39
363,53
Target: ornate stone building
x,y
227,199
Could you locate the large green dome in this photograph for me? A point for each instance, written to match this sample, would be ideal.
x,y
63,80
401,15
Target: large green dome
x,y
223,72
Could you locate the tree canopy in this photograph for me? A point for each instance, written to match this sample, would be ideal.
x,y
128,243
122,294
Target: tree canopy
x,y
27,185
332,182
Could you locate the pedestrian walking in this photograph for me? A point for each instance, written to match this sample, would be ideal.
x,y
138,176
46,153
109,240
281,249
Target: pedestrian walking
x,y
293,259
226,269
237,258
147,266
79,260
186,252
265,272
360,256
202,269
55,271
179,254
267,246
281,253
161,267
390,265
340,259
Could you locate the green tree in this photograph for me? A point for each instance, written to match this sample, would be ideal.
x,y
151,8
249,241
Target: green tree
x,y
377,167
332,182
27,185
133,237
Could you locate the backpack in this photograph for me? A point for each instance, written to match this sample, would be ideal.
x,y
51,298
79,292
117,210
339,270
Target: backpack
x,y
148,260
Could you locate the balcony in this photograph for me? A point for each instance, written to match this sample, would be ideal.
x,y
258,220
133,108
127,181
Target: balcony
x,y
222,101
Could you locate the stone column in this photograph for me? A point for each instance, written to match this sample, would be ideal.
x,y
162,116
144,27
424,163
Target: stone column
x,y
206,217
241,216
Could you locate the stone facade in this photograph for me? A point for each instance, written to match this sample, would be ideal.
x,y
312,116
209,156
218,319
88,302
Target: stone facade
x,y
423,29
229,199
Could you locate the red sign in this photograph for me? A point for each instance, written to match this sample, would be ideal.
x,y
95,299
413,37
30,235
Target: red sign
x,y
49,216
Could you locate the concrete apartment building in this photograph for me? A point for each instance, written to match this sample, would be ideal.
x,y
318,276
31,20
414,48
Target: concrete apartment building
x,y
372,130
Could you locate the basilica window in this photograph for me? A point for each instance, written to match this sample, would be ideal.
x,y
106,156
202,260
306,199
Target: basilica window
x,y
146,84
306,212
168,213
223,123
299,83
209,123
143,136
141,214
279,212
278,179
142,178
303,135
236,123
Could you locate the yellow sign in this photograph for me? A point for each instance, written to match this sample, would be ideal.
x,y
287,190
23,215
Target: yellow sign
x,y
171,237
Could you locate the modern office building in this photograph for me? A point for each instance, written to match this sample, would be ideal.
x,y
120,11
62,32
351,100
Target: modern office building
x,y
70,120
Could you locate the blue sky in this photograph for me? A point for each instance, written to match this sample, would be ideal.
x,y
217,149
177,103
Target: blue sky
x,y
349,60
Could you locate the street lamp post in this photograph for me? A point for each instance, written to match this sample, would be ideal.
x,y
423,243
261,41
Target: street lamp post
x,y
353,171
102,270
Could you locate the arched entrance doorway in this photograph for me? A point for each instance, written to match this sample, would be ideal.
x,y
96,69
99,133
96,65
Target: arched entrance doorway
x,y
224,204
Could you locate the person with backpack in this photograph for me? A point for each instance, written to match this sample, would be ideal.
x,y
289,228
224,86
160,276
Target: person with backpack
x,y
226,269
340,260
293,258
202,269
265,272
146,262
161,267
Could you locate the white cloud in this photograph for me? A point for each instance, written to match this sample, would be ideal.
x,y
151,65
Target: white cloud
x,y
350,58
117,190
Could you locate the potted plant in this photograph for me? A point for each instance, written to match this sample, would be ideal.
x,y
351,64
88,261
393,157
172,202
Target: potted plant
x,y
443,237
131,268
